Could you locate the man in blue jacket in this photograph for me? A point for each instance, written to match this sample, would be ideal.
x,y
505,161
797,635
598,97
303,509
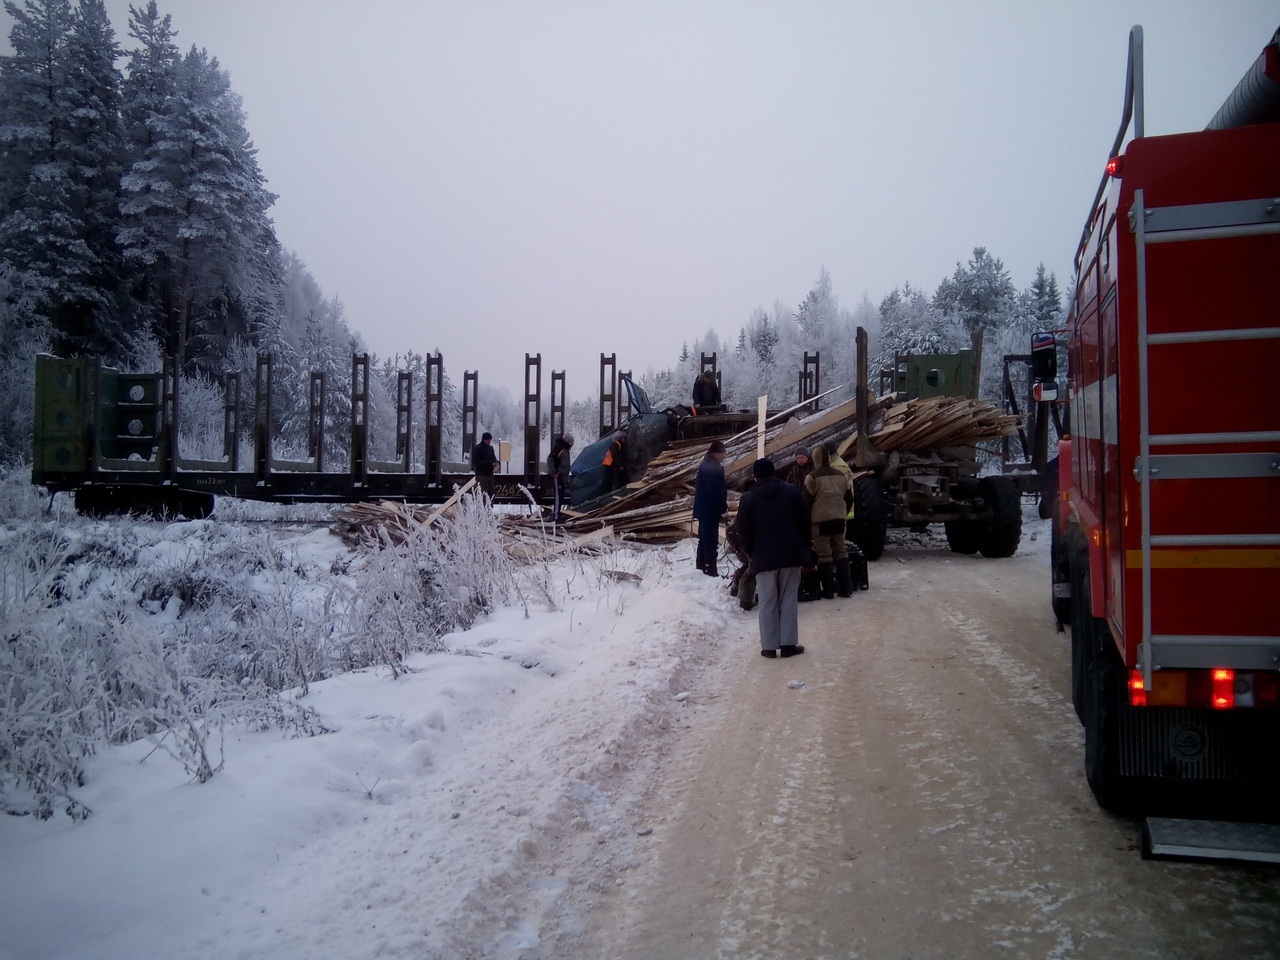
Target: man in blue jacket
x,y
710,501
773,523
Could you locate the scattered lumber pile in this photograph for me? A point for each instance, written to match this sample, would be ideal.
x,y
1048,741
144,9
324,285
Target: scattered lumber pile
x,y
940,422
657,508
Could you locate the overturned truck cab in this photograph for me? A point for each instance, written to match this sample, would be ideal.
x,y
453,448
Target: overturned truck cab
x,y
643,435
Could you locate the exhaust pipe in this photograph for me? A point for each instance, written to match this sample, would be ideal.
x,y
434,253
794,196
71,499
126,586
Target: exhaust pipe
x,y
1256,98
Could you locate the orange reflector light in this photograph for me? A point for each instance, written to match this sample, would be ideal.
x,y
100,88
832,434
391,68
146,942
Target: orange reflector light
x,y
1137,689
1224,690
1114,166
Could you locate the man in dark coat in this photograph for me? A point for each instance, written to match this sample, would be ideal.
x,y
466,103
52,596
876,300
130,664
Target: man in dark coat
x,y
483,463
706,392
559,464
710,501
773,522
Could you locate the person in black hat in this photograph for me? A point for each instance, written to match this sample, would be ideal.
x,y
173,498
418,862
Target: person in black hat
x,y
773,522
483,463
710,501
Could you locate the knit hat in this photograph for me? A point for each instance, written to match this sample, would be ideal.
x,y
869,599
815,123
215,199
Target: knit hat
x,y
802,451
762,469
568,439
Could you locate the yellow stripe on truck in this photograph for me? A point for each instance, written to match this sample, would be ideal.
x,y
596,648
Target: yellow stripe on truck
x,y
1183,558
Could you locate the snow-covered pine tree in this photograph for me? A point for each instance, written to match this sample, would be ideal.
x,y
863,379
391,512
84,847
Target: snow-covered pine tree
x,y
978,293
95,149
195,206
42,238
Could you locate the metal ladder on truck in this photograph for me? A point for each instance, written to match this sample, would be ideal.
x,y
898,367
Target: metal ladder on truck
x,y
1162,837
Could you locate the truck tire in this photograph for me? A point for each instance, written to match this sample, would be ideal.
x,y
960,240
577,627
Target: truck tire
x,y
870,517
136,500
1059,574
1005,531
1104,692
1078,561
965,536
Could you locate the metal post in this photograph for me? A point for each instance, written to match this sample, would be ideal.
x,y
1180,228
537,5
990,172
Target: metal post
x,y
359,418
861,386
231,421
532,416
470,410
404,419
810,377
169,418
262,420
315,419
434,414
557,403
608,393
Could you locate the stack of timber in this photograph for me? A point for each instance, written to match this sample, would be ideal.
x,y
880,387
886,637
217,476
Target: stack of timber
x,y
941,422
657,508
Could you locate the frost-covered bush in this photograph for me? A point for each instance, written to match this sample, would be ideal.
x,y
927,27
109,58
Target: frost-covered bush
x,y
409,594
117,630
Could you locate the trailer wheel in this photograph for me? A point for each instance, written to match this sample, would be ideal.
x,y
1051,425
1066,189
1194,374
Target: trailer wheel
x,y
870,517
136,500
1005,531
965,536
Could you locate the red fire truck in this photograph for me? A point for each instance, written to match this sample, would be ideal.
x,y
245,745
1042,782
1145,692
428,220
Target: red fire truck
x,y
1168,536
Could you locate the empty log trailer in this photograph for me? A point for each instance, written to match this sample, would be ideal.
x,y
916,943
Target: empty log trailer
x,y
1169,514
112,439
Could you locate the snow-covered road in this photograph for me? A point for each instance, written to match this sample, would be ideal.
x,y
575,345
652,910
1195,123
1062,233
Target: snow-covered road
x,y
912,787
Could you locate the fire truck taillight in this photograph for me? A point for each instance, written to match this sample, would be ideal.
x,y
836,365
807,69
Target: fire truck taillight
x,y
1223,696
1137,689
1115,166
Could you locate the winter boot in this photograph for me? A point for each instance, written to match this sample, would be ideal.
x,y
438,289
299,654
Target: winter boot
x,y
770,653
827,574
792,651
844,578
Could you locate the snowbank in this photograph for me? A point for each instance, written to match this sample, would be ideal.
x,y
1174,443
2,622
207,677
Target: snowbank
x,y
504,766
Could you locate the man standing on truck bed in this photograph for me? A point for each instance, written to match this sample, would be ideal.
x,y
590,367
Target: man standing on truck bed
x,y
706,392
483,462
559,463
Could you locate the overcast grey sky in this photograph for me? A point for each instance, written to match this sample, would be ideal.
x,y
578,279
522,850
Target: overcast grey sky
x,y
570,178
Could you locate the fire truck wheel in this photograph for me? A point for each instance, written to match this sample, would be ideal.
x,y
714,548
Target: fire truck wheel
x,y
870,517
965,536
1078,562
1005,531
1059,574
1104,688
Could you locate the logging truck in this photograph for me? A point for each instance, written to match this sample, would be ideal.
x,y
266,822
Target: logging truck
x,y
915,488
1167,544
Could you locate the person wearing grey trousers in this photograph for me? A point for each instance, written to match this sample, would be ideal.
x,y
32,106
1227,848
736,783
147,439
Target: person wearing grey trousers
x,y
773,524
